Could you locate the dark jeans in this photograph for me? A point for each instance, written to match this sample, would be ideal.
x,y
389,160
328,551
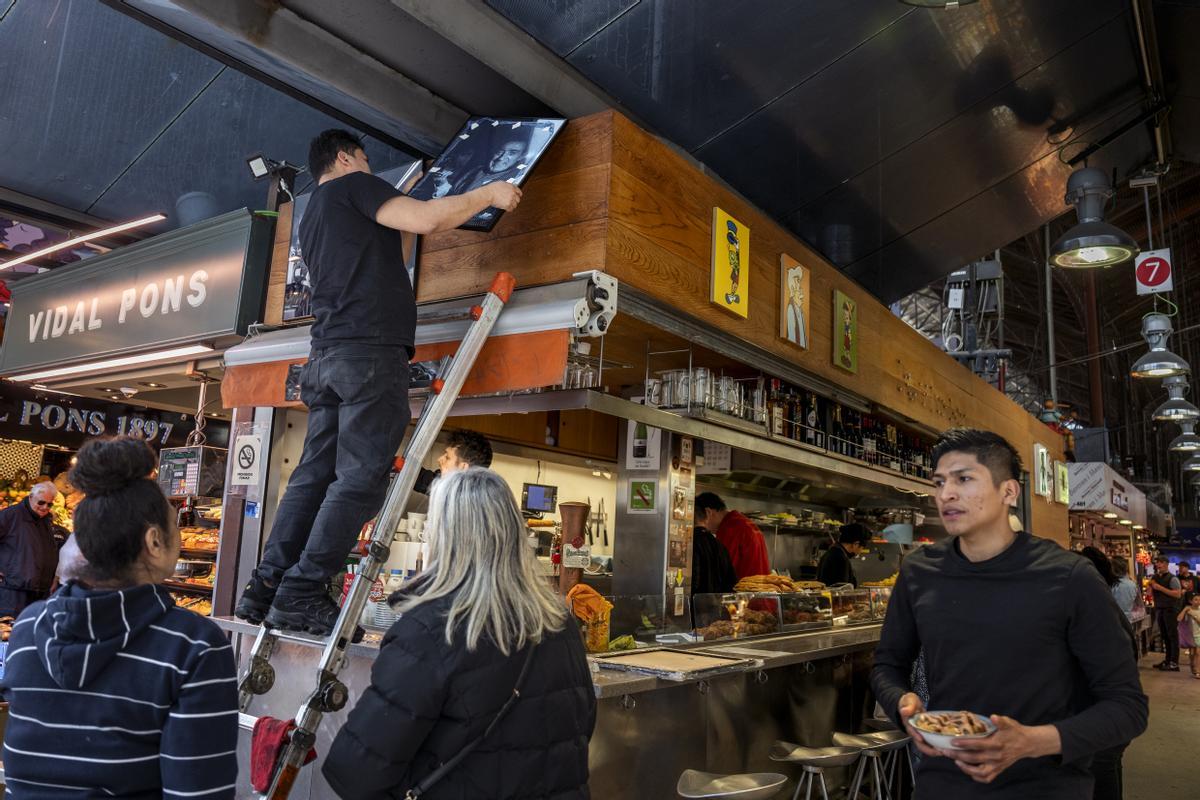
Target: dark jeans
x,y
1168,628
357,398
1106,770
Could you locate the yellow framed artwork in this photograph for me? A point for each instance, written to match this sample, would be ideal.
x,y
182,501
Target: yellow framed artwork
x,y
793,301
729,286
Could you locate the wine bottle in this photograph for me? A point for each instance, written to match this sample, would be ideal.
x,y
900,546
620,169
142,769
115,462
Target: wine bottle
x,y
641,435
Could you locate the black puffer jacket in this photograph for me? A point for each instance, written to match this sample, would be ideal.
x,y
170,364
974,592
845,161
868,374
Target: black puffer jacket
x,y
428,699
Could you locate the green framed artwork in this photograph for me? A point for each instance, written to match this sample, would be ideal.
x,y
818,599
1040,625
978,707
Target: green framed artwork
x,y
845,331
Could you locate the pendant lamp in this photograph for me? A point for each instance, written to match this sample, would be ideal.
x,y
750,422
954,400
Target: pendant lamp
x,y
1192,465
1092,242
1159,362
1176,409
1186,442
938,3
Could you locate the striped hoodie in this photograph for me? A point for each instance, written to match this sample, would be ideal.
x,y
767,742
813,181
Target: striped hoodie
x,y
119,694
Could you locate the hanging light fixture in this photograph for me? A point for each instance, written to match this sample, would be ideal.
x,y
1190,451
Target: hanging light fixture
x,y
1176,409
1192,465
1092,242
938,3
1186,442
1159,362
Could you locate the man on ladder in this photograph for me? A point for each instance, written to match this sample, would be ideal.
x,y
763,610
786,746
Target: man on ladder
x,y
355,383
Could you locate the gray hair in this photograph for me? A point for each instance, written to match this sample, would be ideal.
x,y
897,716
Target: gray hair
x,y
45,487
478,557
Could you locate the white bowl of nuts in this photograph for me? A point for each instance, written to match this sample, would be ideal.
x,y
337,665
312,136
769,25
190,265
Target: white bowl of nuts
x,y
940,729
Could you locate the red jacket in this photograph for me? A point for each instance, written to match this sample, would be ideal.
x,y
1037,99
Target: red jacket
x,y
745,543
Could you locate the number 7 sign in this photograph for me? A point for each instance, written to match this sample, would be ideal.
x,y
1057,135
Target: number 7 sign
x,y
1152,270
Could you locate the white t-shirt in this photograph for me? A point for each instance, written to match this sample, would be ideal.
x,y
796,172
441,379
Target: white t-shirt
x,y
1193,616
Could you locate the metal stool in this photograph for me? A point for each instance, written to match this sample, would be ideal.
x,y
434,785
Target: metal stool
x,y
881,751
814,761
750,786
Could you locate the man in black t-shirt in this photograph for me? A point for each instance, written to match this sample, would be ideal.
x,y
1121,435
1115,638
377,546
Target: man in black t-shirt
x,y
1168,600
1010,626
355,383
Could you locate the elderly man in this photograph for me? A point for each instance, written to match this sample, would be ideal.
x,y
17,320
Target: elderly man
x,y
28,554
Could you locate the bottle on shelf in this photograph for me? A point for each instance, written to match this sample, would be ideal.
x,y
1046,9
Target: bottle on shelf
x,y
812,420
186,516
776,408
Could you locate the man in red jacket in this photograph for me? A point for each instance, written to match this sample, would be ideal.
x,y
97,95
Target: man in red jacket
x,y
741,537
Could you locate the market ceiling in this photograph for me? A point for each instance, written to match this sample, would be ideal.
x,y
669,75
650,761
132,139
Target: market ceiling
x,y
901,142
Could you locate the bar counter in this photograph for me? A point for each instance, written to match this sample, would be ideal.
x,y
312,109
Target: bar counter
x,y
799,687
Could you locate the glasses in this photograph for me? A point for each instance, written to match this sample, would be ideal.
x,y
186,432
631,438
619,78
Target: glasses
x,y
41,503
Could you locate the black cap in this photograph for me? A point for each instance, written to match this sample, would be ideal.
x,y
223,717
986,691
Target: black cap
x,y
854,533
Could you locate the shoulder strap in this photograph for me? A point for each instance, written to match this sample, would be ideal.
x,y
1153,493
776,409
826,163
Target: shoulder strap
x,y
441,772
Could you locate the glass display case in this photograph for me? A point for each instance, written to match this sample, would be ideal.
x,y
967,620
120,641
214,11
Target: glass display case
x,y
851,606
806,611
646,617
880,597
736,615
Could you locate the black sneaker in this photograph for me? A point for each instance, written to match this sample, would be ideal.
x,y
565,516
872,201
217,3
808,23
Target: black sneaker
x,y
311,613
255,601
1171,668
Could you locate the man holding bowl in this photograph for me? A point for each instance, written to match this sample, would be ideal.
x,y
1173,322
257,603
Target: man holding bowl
x,y
1012,627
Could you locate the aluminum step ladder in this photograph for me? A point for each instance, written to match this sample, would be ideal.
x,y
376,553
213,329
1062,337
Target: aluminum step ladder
x,y
330,693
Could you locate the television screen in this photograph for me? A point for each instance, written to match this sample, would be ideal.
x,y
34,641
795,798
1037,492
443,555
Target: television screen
x,y
487,149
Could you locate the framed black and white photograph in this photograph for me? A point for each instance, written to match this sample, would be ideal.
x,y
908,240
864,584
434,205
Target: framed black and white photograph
x,y
297,293
486,150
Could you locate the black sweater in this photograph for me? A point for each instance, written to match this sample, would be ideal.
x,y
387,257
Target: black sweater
x,y
1032,634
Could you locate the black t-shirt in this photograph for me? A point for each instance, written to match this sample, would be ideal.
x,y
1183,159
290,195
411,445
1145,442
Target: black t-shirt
x,y
360,288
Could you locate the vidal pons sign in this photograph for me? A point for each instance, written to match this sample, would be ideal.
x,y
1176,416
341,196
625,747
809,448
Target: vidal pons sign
x,y
204,283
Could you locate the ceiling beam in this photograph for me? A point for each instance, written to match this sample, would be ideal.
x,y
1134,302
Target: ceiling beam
x,y
325,68
494,40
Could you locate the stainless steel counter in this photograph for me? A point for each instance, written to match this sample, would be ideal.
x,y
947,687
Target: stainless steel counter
x,y
800,687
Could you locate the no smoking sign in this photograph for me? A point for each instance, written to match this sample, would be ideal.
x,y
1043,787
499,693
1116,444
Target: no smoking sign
x,y
1152,270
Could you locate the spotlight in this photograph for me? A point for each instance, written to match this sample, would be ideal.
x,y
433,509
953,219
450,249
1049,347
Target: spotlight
x,y
1111,515
260,166
1159,362
1092,242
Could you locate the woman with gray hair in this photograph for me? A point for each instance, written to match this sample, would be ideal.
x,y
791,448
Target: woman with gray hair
x,y
481,688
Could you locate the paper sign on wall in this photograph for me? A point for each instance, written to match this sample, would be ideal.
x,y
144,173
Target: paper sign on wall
x,y
642,498
247,460
642,446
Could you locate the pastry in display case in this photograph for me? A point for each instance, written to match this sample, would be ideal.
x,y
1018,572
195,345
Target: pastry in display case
x,y
806,610
736,615
851,606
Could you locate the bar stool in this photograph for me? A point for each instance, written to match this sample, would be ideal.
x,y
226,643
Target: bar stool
x,y
814,761
881,751
748,786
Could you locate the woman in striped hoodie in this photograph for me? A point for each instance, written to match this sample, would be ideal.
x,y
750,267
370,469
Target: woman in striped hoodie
x,y
113,691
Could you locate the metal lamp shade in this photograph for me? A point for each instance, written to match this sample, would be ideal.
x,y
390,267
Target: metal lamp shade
x,y
1093,244
1176,409
1186,442
1192,464
1159,364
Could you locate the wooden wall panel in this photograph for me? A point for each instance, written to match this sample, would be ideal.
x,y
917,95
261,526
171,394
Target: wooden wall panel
x,y
659,240
535,258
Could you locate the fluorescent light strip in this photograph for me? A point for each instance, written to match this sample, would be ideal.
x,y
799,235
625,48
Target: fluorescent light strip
x,y
123,361
137,223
